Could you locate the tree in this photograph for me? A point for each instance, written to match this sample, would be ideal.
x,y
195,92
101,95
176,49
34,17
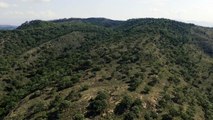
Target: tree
x,y
134,84
167,117
150,115
153,82
98,105
125,104
78,117
174,112
146,90
130,116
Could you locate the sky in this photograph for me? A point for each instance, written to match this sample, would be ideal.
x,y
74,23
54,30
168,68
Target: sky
x,y
16,12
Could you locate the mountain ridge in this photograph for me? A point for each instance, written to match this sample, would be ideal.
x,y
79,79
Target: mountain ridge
x,y
7,27
98,21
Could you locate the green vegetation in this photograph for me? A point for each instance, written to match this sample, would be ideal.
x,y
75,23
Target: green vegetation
x,y
145,69
98,105
132,109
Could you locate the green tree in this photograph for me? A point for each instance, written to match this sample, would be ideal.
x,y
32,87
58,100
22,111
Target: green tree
x,y
98,105
78,117
124,105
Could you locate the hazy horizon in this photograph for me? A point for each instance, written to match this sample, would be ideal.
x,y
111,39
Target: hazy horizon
x,y
16,12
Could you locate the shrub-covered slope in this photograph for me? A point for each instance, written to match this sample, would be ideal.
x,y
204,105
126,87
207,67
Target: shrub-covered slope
x,y
103,69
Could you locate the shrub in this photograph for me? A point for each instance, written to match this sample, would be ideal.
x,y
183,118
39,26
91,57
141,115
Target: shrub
x,y
54,115
153,82
125,104
146,90
86,64
38,107
98,105
96,68
133,109
101,96
67,82
73,96
130,116
167,117
134,84
36,94
84,88
64,104
174,112
56,102
136,110
174,80
78,117
137,102
150,115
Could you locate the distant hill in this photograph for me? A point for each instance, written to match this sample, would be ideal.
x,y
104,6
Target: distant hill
x,y
95,21
98,21
7,27
102,69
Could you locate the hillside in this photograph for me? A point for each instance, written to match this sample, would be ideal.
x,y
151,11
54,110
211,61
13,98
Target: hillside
x,y
100,69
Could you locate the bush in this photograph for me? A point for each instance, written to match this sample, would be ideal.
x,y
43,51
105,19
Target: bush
x,y
136,110
98,105
125,104
133,109
137,102
78,117
101,96
38,107
96,68
150,115
167,117
73,96
146,90
185,116
134,84
174,80
174,112
56,102
84,88
54,115
67,82
64,104
153,82
130,116
36,94
85,64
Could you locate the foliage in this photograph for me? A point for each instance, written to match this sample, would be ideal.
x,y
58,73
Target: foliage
x,y
98,105
78,117
124,105
130,107
45,60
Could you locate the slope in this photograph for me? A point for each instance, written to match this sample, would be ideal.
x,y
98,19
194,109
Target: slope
x,y
137,69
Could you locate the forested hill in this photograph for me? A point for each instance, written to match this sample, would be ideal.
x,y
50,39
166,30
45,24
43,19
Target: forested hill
x,y
101,69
